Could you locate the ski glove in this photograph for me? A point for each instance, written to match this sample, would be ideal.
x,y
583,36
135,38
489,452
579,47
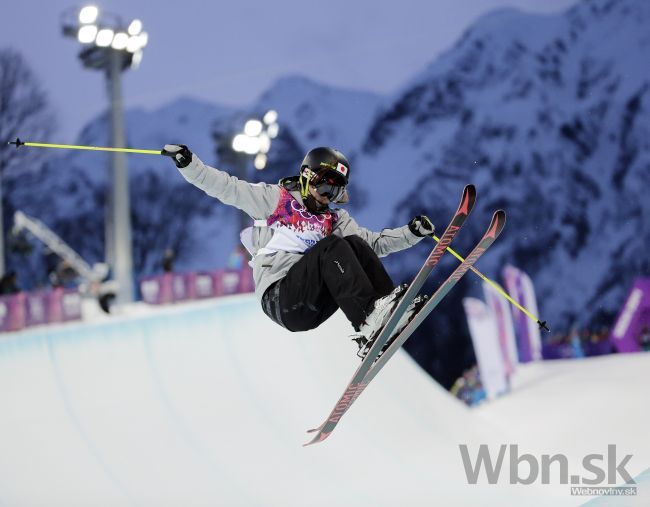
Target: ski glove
x,y
179,152
421,226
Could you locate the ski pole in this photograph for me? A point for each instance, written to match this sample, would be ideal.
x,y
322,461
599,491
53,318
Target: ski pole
x,y
18,143
540,323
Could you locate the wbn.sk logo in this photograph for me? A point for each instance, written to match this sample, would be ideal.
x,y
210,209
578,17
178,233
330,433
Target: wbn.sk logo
x,y
527,469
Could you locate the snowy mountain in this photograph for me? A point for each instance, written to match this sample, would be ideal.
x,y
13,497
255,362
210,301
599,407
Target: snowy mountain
x,y
548,117
320,115
546,114
310,115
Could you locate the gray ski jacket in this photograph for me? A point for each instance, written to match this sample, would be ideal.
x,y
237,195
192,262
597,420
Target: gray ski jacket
x,y
260,201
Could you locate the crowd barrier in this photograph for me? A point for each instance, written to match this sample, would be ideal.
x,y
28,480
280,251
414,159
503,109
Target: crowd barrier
x,y
176,287
26,309
49,306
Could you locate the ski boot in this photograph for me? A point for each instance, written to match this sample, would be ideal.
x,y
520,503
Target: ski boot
x,y
366,344
382,309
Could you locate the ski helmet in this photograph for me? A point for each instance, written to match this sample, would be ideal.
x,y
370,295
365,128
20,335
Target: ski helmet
x,y
326,168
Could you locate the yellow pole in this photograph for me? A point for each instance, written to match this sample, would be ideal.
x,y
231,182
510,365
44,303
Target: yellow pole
x,y
18,143
542,324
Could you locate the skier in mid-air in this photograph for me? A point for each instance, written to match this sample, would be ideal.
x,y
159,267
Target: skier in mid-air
x,y
309,259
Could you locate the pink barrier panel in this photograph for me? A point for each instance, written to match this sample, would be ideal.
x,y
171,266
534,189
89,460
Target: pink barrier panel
x,y
172,287
54,305
180,290
157,290
190,285
166,292
70,305
230,281
36,305
199,285
226,282
246,283
12,312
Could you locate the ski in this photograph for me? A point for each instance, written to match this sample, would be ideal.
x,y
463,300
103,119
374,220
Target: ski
x,y
356,385
496,226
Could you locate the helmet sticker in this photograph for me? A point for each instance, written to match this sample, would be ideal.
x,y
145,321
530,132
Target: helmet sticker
x,y
308,173
342,169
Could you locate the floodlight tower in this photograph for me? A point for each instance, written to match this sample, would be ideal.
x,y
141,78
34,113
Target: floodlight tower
x,y
111,46
254,141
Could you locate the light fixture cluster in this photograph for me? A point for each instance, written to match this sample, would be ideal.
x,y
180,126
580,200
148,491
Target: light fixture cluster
x,y
256,138
133,39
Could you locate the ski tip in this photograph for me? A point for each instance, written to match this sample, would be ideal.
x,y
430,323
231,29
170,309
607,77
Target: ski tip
x,y
314,430
318,438
542,325
497,224
17,142
468,200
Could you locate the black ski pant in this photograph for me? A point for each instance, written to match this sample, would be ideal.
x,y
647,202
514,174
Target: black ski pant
x,y
335,273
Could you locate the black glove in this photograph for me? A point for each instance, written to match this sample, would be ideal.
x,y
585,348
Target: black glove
x,y
179,152
421,226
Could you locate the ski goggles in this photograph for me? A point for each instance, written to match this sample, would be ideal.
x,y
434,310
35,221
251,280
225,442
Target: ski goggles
x,y
329,185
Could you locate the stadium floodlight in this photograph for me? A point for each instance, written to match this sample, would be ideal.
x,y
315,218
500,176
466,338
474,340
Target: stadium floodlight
x,y
135,27
243,143
88,14
239,143
273,130
112,46
253,128
87,34
120,41
260,161
137,59
256,138
105,32
253,146
104,37
270,117
133,44
254,141
265,142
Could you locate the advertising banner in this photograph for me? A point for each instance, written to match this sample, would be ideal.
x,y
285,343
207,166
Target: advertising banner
x,y
529,340
500,308
483,328
227,282
36,308
12,312
70,305
631,332
157,290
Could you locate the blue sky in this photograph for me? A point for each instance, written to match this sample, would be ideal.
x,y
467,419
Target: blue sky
x,y
230,51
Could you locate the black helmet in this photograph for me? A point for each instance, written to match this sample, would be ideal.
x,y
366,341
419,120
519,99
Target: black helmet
x,y
327,158
320,160
327,169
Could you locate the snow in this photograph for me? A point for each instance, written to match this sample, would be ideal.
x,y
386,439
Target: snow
x,y
542,113
320,115
207,403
